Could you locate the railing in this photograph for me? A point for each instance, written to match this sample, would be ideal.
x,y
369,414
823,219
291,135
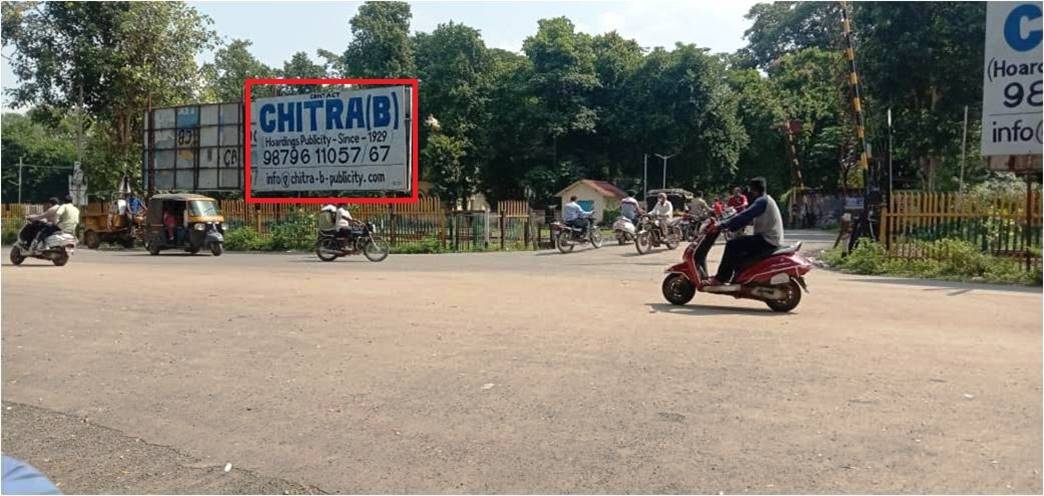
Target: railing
x,y
1002,224
512,226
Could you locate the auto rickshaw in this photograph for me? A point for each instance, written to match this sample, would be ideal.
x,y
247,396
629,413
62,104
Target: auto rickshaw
x,y
184,221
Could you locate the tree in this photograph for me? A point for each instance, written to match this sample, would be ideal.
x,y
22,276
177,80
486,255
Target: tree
x,y
121,55
615,144
380,45
233,65
760,112
301,67
443,158
779,28
454,68
562,80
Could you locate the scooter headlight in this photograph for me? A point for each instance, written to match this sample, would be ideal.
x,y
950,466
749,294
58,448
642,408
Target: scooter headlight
x,y
200,226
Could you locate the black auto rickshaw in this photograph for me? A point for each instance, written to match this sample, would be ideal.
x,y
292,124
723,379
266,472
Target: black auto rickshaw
x,y
677,196
184,221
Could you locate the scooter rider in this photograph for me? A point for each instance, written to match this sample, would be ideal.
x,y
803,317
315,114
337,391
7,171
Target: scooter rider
x,y
763,213
49,217
629,208
573,215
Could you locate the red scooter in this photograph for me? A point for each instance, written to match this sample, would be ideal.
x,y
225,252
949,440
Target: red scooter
x,y
776,279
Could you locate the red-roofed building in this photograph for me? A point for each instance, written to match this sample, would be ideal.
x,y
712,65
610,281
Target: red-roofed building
x,y
593,195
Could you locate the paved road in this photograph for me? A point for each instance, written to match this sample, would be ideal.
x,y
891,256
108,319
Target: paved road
x,y
510,372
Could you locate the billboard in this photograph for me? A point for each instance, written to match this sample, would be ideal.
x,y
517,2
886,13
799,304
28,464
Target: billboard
x,y
353,140
1012,79
194,148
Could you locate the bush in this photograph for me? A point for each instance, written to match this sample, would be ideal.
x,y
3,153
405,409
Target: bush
x,y
295,232
956,260
429,244
10,232
246,239
609,216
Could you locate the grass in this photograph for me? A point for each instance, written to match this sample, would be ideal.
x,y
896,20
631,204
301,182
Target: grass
x,y
962,262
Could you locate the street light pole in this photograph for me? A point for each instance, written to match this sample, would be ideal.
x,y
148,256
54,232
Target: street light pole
x,y
20,165
645,177
665,157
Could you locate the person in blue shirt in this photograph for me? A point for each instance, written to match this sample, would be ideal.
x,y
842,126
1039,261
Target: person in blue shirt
x,y
134,205
574,215
763,213
21,478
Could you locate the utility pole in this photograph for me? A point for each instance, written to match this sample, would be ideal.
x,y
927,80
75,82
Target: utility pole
x,y
645,177
665,157
889,155
964,150
20,165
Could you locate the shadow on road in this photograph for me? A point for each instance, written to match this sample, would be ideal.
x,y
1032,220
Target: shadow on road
x,y
712,310
43,263
956,288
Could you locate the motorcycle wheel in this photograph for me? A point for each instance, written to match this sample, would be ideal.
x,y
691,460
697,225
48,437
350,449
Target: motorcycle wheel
x,y
217,249
788,302
672,239
16,255
153,247
677,289
596,237
376,249
620,238
643,242
325,249
92,239
61,259
564,241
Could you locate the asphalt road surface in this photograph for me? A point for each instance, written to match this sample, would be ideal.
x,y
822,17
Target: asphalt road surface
x,y
507,373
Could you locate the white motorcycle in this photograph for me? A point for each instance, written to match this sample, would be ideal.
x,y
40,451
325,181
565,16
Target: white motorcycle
x,y
624,230
57,248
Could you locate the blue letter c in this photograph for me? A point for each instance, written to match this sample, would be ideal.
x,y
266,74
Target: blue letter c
x,y
1013,28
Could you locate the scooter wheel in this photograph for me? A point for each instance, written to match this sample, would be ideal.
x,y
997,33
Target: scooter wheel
x,y
788,302
677,289
16,255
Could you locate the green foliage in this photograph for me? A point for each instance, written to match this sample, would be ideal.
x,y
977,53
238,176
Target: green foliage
x,y
609,216
9,232
300,66
233,65
380,44
295,232
959,260
444,162
246,239
429,244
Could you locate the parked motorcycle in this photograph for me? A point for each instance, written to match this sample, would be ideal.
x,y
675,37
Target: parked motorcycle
x,y
777,279
57,248
623,230
359,239
689,225
650,235
567,237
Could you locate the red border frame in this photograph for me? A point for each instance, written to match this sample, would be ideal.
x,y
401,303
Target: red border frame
x,y
415,110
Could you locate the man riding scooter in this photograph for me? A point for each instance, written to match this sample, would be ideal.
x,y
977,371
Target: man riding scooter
x,y
763,213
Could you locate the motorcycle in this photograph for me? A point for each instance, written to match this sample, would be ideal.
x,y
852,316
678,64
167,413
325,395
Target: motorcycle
x,y
57,248
650,235
689,225
332,244
566,237
776,279
624,230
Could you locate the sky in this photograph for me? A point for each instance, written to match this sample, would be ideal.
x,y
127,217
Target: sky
x,y
278,29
